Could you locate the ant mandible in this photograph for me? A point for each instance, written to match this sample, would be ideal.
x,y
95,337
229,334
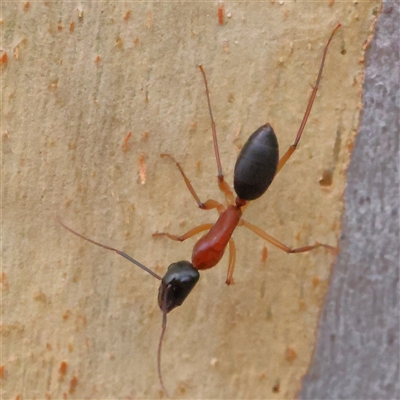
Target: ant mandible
x,y
256,167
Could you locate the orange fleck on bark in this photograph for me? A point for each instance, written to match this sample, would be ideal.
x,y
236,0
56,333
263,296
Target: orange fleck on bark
x,y
145,135
49,346
72,27
142,169
97,60
136,41
39,296
264,254
16,52
26,6
148,20
198,165
63,368
127,15
2,372
67,203
125,143
59,27
221,14
316,281
3,280
302,306
4,59
192,127
53,84
73,383
226,47
290,355
119,43
65,396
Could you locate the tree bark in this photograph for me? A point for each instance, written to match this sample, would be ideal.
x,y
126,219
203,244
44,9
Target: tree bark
x,y
78,78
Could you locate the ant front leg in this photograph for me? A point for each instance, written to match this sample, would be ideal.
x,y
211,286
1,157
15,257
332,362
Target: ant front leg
x,y
187,235
292,148
258,231
209,204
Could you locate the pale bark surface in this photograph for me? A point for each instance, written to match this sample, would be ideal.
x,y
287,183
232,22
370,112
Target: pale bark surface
x,y
79,77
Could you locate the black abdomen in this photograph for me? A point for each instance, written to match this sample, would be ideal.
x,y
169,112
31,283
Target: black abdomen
x,y
257,163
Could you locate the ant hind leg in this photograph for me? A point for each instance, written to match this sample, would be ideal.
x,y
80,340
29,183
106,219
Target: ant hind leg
x,y
292,148
264,235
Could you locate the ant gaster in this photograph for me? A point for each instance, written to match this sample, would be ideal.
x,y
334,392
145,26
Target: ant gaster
x,y
257,165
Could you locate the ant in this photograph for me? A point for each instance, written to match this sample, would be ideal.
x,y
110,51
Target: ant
x,y
256,167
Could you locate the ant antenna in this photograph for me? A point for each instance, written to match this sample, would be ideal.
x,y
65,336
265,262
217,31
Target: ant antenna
x,y
121,253
163,329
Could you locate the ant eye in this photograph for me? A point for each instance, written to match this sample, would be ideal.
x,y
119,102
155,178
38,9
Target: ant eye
x,y
180,279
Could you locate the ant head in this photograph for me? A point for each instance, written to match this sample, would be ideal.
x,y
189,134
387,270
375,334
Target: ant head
x,y
176,284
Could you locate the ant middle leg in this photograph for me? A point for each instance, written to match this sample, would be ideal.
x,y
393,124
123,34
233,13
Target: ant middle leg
x,y
292,148
232,261
264,235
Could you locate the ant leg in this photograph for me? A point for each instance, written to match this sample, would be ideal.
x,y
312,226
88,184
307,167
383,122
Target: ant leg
x,y
226,190
223,186
232,260
187,235
209,204
258,231
292,148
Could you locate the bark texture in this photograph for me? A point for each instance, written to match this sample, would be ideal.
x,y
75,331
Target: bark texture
x,y
358,351
78,78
